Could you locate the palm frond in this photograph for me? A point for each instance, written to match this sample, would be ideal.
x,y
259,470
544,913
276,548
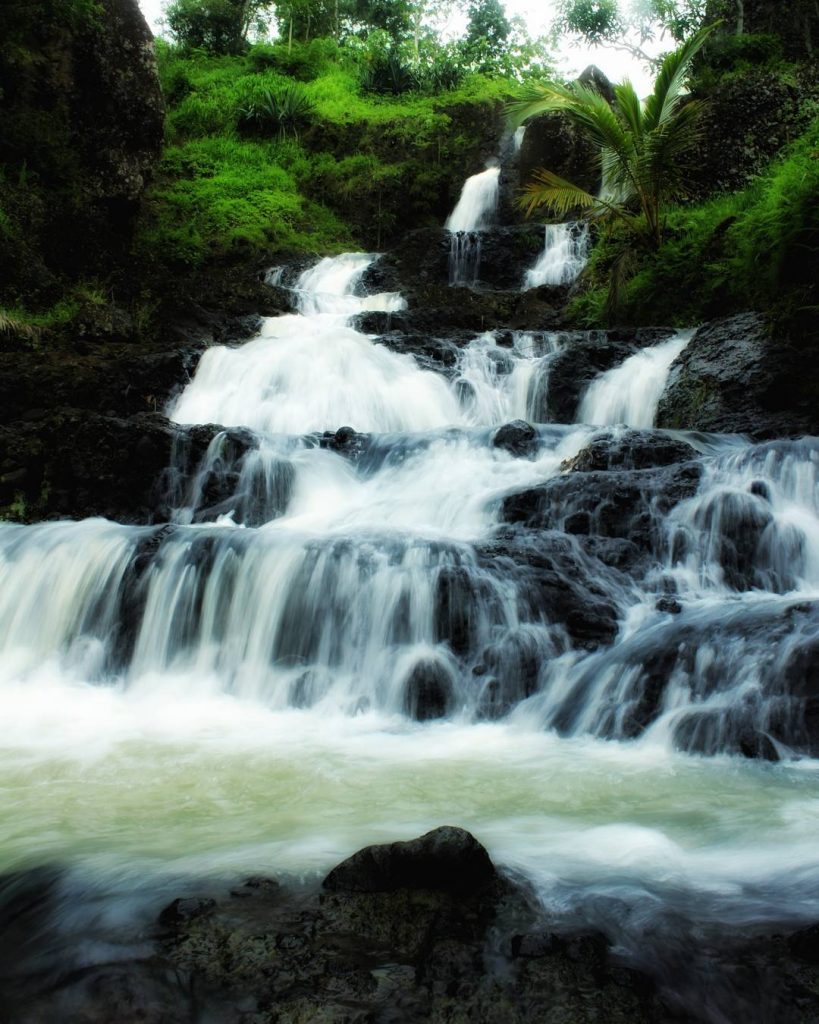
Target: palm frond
x,y
663,159
560,196
630,107
668,87
538,98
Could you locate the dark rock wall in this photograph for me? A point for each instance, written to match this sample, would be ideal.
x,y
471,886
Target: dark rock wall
x,y
735,376
81,126
749,118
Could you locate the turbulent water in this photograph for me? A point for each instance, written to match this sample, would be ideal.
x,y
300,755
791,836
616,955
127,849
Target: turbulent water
x,y
334,649
565,253
630,393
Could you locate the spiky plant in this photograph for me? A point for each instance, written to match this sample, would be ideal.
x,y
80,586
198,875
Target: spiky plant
x,y
281,111
642,147
11,326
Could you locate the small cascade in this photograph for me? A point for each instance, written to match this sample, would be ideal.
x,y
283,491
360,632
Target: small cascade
x,y
473,213
498,384
311,372
477,203
565,254
517,138
631,392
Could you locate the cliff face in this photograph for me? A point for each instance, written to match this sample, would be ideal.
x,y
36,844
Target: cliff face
x,y
80,129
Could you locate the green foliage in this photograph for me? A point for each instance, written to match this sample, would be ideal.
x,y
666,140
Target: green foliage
x,y
629,26
390,74
735,56
642,147
754,249
218,195
216,26
487,33
281,111
364,165
302,61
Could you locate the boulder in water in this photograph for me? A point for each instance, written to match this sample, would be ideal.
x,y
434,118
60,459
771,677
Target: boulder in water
x,y
734,523
630,449
447,859
428,691
519,438
457,597
185,909
345,441
623,504
556,580
735,377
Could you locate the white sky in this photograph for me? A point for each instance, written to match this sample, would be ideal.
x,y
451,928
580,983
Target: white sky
x,y
538,15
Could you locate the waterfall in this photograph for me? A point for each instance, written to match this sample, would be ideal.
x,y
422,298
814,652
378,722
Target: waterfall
x,y
564,256
631,393
473,213
477,203
344,635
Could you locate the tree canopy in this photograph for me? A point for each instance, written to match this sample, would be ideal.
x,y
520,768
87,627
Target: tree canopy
x,y
630,27
219,26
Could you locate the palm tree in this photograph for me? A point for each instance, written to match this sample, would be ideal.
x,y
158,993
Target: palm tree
x,y
642,146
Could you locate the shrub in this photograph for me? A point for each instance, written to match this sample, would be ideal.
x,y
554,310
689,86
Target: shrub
x,y
389,74
279,111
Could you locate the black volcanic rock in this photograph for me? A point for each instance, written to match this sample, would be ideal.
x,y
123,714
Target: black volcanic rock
x,y
735,376
518,438
447,859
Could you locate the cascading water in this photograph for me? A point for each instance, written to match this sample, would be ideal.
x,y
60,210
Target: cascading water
x,y
345,637
473,213
631,393
564,256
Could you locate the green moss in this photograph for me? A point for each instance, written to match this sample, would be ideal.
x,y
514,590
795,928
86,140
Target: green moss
x,y
215,195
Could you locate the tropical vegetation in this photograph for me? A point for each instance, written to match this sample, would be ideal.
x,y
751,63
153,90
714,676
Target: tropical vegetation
x,y
642,148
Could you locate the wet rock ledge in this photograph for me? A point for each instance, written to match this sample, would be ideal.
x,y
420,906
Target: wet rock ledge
x,y
425,930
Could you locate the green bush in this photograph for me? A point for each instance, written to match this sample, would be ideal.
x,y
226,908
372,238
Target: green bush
x,y
754,249
302,61
218,195
729,52
390,74
281,110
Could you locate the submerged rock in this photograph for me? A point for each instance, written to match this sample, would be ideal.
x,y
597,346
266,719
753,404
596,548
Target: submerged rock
x,y
428,691
518,438
425,930
630,449
626,504
557,582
